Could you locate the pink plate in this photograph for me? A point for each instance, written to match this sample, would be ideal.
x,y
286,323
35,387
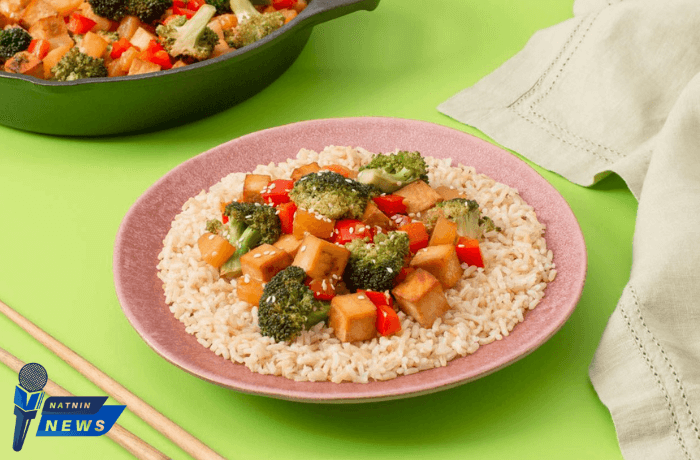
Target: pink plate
x,y
141,234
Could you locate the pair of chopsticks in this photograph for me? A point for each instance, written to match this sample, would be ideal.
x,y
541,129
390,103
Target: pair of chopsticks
x,y
148,414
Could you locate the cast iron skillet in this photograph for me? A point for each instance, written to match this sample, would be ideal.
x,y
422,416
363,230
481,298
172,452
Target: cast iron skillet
x,y
114,105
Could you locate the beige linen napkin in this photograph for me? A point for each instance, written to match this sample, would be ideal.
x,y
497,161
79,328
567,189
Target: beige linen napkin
x,y
617,88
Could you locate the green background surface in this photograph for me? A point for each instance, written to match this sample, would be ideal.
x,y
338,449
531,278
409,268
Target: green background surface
x,y
63,199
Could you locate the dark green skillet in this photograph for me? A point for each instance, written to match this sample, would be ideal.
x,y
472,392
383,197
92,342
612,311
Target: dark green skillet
x,y
133,103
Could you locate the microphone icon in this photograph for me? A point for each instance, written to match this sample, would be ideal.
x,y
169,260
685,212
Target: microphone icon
x,y
28,399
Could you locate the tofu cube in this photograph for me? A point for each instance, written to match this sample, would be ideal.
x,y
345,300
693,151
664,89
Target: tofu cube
x,y
418,196
448,193
309,223
288,243
264,262
321,259
249,290
421,297
253,186
441,261
375,218
301,171
353,317
445,232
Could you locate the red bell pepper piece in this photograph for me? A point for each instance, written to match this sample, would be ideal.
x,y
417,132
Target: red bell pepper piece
x,y
282,4
378,298
323,289
277,191
286,214
468,251
417,235
387,320
162,58
183,12
119,47
79,24
390,204
403,274
194,5
224,218
39,47
347,230
179,3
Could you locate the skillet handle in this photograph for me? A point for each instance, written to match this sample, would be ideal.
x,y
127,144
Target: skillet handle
x,y
320,11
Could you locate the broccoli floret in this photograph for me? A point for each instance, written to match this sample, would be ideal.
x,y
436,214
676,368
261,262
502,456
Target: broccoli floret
x,y
110,9
288,306
222,6
75,65
147,11
250,225
252,25
374,266
391,172
465,213
215,226
332,195
191,38
12,41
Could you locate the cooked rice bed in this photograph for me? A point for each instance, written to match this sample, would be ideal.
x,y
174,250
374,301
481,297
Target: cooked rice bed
x,y
487,303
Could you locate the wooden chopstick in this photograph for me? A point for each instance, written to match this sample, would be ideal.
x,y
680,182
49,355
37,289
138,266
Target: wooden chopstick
x,y
125,438
148,414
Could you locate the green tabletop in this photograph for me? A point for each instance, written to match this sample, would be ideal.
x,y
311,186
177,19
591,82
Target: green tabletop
x,y
63,199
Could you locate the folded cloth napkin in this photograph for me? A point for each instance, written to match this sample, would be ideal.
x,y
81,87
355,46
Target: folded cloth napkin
x,y
617,88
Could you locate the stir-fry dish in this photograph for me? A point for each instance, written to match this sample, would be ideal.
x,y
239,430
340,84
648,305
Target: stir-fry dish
x,y
334,244
74,39
350,266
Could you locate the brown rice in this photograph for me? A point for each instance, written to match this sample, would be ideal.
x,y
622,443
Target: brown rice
x,y
486,303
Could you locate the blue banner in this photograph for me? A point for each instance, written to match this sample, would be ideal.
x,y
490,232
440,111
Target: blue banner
x,y
77,416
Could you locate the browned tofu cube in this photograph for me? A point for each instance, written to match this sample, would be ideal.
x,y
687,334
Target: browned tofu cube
x,y
421,297
441,261
448,193
309,223
253,186
445,232
304,170
288,243
375,218
321,259
353,317
264,262
37,10
249,290
46,28
418,196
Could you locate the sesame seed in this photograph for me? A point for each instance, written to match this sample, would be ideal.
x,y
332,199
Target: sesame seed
x,y
257,256
399,183
351,230
389,270
271,186
249,216
246,278
211,237
266,253
460,245
269,299
361,297
303,248
348,181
